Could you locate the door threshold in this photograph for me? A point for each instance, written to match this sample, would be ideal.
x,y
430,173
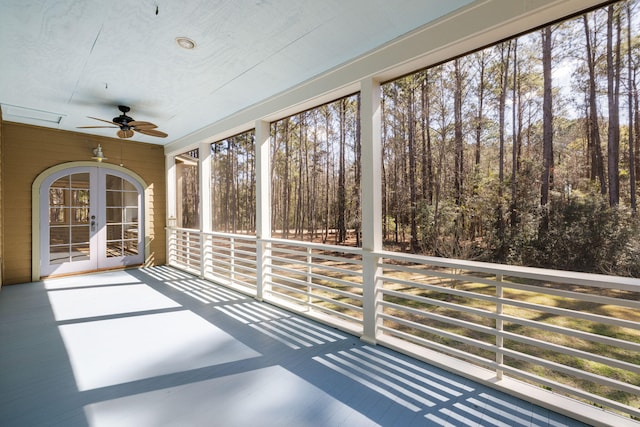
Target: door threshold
x,y
99,270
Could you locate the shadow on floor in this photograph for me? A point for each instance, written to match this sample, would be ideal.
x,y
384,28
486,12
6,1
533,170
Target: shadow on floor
x,y
158,347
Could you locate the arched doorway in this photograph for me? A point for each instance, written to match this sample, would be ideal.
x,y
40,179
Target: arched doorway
x,y
89,217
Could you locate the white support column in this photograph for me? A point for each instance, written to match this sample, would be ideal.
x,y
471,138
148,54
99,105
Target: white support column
x,y
204,173
263,204
170,221
170,168
204,183
370,119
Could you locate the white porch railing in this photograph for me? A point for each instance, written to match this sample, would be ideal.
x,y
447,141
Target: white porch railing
x,y
184,249
322,280
503,325
230,259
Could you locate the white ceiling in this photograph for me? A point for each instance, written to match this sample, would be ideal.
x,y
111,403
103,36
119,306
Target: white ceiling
x,y
64,60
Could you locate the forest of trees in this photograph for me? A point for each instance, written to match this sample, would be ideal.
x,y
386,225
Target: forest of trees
x,y
233,184
526,152
315,174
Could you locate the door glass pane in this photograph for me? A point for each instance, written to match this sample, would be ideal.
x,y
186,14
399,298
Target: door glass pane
x,y
80,234
114,215
61,182
58,254
131,215
131,241
80,180
81,215
114,249
57,196
69,232
58,215
130,199
122,217
114,232
80,197
114,198
59,235
127,186
114,182
80,252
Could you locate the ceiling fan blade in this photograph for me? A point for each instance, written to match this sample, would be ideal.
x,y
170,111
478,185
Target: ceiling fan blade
x,y
106,121
95,127
152,132
142,125
125,133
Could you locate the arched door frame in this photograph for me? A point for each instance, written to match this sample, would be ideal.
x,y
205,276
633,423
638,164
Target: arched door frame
x,y
35,207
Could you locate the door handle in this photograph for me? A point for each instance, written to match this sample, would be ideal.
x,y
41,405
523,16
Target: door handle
x,y
93,223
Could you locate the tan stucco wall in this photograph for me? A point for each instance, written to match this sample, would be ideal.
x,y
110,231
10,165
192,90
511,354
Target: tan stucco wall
x,y
27,151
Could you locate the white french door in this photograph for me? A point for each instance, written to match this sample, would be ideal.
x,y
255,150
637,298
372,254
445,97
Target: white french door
x,y
91,218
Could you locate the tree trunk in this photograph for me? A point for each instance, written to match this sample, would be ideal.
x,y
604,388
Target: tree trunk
x,y
613,94
515,149
632,167
458,175
232,204
547,111
341,235
411,154
285,184
593,128
636,121
547,129
480,117
427,154
504,81
302,167
327,211
311,179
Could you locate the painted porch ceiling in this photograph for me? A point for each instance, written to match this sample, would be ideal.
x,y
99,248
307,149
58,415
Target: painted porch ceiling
x,y
64,60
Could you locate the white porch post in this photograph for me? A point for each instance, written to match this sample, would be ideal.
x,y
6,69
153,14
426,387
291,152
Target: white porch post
x,y
170,171
263,204
170,167
370,116
204,175
204,164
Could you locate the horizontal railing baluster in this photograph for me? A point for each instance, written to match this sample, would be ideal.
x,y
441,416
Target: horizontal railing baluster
x,y
502,318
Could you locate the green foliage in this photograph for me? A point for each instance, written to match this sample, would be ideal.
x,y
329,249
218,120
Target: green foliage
x,y
584,234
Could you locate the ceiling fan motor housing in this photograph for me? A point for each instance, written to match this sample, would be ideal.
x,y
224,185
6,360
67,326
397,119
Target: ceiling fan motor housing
x,y
122,120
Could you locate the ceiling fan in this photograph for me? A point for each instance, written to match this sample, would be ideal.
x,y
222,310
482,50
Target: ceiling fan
x,y
128,125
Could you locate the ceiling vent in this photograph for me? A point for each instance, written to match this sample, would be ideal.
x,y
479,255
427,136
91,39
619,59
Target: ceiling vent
x,y
14,113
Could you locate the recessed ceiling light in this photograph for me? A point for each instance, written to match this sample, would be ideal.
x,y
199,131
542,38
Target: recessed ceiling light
x,y
185,42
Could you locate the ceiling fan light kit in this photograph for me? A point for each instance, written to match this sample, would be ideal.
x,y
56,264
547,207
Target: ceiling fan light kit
x,y
128,125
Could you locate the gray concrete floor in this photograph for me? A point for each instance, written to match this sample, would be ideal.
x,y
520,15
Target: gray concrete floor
x,y
158,347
